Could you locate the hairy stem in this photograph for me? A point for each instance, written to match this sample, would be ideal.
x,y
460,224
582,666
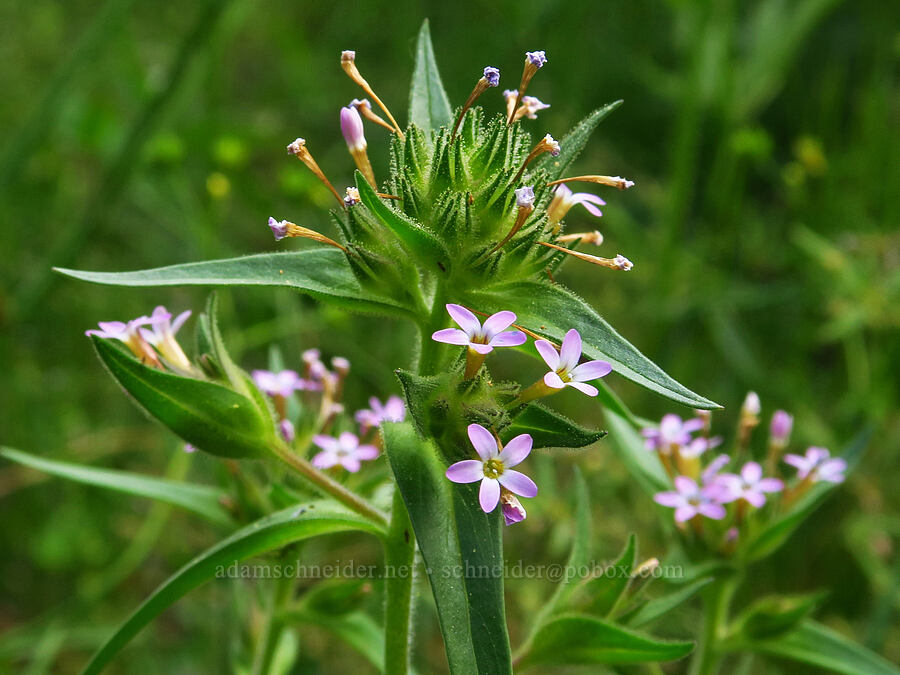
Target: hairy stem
x,y
330,486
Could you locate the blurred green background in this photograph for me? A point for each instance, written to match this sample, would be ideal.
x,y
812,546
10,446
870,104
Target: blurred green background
x,y
763,138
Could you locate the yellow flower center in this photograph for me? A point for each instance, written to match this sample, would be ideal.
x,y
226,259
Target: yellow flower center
x,y
493,468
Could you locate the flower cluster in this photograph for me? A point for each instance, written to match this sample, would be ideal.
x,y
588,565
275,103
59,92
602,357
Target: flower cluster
x,y
310,399
709,491
498,483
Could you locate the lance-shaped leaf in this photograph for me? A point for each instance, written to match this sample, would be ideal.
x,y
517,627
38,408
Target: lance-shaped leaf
x,y
775,615
429,107
549,429
203,500
573,142
653,609
817,645
782,527
461,546
205,414
602,593
423,243
267,534
551,310
324,274
575,639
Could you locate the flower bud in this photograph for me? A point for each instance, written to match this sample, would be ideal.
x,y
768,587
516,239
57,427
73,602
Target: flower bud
x,y
513,512
352,128
781,426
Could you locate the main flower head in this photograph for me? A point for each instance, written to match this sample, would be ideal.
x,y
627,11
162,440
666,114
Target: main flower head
x,y
565,371
672,431
480,338
749,485
493,467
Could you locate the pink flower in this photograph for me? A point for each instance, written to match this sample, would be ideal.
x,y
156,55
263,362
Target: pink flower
x,y
344,450
162,336
283,383
493,467
780,428
672,431
393,410
749,486
531,106
818,465
565,370
564,199
286,427
689,500
480,338
513,511
129,333
711,472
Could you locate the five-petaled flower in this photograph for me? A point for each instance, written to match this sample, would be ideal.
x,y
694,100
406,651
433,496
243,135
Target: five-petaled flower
x,y
480,338
688,499
344,450
749,486
818,465
565,370
392,410
493,467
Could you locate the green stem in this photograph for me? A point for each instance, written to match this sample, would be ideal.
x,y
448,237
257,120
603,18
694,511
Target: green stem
x,y
399,554
330,486
272,628
716,605
427,360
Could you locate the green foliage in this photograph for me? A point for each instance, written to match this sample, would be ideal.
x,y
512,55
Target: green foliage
x,y
603,593
816,645
773,616
549,429
267,534
203,500
207,415
460,545
428,104
573,639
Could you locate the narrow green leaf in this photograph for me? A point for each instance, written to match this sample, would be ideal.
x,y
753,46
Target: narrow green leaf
x,y
324,274
774,615
551,310
575,639
357,629
208,415
201,499
657,607
416,238
461,547
781,528
820,646
267,534
549,429
603,592
642,464
429,107
573,142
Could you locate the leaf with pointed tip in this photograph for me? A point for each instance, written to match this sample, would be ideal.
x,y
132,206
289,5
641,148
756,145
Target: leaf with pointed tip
x,y
657,607
603,591
267,534
549,429
575,639
324,274
551,310
429,107
462,550
203,500
774,615
817,645
573,142
207,415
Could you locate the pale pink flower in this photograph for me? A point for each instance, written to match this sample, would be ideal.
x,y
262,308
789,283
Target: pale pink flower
x,y
689,500
565,371
818,464
344,450
480,338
